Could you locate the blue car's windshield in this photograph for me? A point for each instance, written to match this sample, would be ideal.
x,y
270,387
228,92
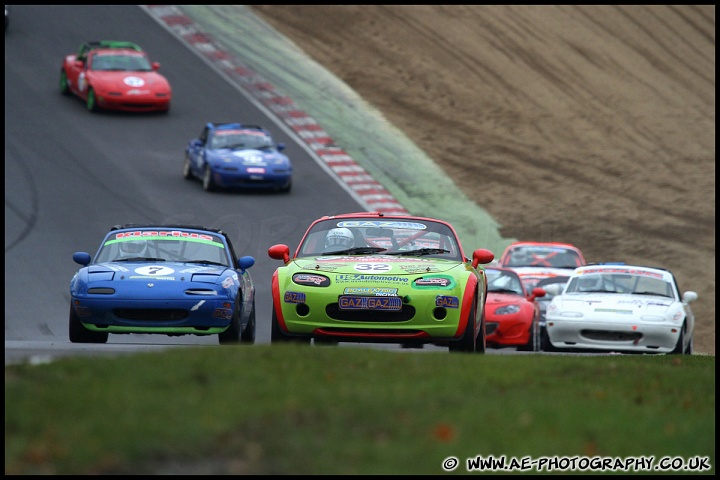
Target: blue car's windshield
x,y
240,139
163,247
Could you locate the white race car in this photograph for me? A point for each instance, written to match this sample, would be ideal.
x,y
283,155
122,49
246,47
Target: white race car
x,y
621,308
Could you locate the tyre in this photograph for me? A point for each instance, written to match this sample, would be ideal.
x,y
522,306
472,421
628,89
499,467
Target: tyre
x,y
468,342
533,343
679,347
64,88
91,101
248,334
545,344
287,188
79,334
480,342
187,170
232,334
277,335
689,349
208,183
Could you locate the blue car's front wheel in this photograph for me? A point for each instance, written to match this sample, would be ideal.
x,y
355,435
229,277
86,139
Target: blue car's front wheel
x,y
187,168
80,334
208,182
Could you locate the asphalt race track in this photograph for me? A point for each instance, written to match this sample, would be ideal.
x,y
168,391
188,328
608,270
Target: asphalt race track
x,y
70,175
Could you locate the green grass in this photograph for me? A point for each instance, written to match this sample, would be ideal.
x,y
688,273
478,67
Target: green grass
x,y
327,410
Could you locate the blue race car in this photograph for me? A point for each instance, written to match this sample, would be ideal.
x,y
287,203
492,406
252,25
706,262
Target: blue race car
x,y
235,155
163,279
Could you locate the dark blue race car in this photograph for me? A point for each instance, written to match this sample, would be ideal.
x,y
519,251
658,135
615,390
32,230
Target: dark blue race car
x,y
163,279
236,155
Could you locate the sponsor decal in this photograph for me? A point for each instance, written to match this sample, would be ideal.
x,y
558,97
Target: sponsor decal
x,y
382,224
228,282
376,291
311,280
629,271
359,278
434,282
447,302
154,278
325,266
419,268
222,313
349,302
175,234
294,297
613,310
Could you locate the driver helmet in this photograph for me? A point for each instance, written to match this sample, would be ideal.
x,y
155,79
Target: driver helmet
x,y
133,249
339,237
589,283
520,257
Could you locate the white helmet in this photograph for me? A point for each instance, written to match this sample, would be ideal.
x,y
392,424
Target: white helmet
x,y
520,258
133,249
590,283
339,237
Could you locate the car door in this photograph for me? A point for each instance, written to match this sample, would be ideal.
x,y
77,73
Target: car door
x,y
75,75
196,151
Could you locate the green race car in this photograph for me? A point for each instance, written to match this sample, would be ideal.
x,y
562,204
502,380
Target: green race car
x,y
375,278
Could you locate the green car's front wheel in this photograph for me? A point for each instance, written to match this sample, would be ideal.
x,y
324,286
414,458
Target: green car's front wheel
x,y
467,343
277,335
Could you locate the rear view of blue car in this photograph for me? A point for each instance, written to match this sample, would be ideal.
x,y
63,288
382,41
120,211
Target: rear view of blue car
x,y
237,156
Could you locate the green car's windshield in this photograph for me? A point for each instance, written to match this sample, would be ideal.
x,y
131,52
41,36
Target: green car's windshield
x,y
404,237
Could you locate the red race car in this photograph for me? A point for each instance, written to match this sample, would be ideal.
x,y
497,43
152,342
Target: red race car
x,y
512,316
115,76
534,261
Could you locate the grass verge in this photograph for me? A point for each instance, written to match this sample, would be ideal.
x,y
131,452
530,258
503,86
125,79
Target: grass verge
x,y
327,410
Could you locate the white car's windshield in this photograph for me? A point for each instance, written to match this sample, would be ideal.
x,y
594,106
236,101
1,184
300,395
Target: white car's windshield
x,y
619,283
